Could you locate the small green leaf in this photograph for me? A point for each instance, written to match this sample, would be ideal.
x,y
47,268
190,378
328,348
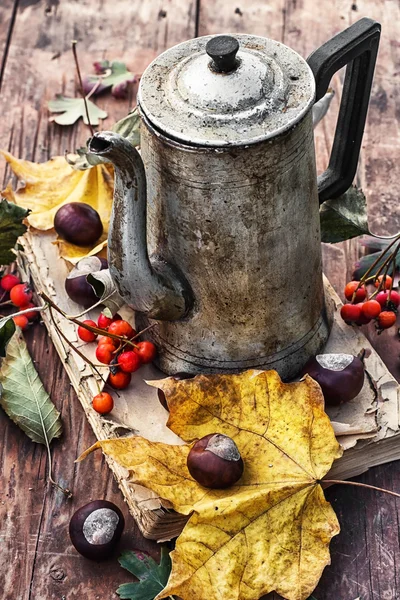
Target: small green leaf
x,y
365,262
73,109
152,577
11,227
345,217
23,396
129,127
114,75
7,330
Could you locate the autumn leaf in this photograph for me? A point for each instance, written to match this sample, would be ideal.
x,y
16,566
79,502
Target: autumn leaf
x,y
114,75
11,227
51,184
272,529
73,109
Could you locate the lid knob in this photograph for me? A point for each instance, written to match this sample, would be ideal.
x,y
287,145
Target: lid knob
x,y
223,49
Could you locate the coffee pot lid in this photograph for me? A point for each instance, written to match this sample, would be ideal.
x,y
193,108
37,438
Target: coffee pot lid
x,y
226,90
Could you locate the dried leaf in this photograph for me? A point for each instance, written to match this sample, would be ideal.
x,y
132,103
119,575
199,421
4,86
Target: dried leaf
x,y
104,288
11,227
114,75
73,109
23,396
272,529
345,217
152,577
51,184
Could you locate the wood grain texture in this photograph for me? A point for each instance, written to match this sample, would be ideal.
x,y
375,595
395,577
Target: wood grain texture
x,y
37,63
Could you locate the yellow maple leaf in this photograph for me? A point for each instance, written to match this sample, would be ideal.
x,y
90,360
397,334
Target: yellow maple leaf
x,y
49,185
270,531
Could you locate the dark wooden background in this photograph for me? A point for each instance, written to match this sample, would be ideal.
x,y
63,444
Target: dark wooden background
x,y
37,561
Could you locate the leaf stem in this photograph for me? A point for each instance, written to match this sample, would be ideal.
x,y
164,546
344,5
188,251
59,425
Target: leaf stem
x,y
364,485
74,42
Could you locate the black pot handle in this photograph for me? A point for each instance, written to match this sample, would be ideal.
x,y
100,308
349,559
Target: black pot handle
x,y
357,47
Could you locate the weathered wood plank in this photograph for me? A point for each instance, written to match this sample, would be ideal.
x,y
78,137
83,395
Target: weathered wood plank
x,y
34,522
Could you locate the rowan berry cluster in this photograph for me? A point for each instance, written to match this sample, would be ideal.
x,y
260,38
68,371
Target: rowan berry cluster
x,y
123,358
20,295
381,305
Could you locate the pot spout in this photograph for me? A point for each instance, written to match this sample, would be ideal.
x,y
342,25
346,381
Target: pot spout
x,y
153,288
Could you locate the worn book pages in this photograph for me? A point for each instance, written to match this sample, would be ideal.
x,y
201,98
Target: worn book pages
x,y
368,427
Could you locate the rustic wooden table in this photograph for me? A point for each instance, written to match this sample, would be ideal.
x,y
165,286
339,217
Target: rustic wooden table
x,y
37,561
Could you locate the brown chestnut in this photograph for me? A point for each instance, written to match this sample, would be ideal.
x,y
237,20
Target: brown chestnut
x,y
341,376
78,223
215,462
96,528
76,286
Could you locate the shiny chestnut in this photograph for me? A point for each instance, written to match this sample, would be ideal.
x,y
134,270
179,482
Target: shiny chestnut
x,y
215,462
96,528
341,376
78,223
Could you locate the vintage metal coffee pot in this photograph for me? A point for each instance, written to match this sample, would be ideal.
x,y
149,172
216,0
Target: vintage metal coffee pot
x,y
215,230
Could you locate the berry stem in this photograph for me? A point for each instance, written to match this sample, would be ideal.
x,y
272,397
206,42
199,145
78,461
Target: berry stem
x,y
364,485
96,330
84,312
382,254
78,352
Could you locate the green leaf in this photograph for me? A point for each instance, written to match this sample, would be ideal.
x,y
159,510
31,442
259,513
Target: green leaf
x,y
128,127
7,330
152,577
345,217
73,109
365,262
23,396
11,227
114,75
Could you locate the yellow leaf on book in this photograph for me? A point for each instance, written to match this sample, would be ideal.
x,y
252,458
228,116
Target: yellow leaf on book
x,y
271,530
49,185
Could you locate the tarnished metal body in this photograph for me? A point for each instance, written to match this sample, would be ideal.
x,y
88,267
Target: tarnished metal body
x,y
242,226
215,235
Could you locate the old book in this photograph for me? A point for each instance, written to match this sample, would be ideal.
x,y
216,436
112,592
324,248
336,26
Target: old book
x,y
368,427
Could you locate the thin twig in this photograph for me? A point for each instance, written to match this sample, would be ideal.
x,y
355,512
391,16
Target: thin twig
x,y
364,485
380,257
74,42
84,312
70,344
95,330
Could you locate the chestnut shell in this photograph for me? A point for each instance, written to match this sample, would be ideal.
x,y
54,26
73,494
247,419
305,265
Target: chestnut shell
x,y
78,223
80,291
211,470
103,523
337,386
